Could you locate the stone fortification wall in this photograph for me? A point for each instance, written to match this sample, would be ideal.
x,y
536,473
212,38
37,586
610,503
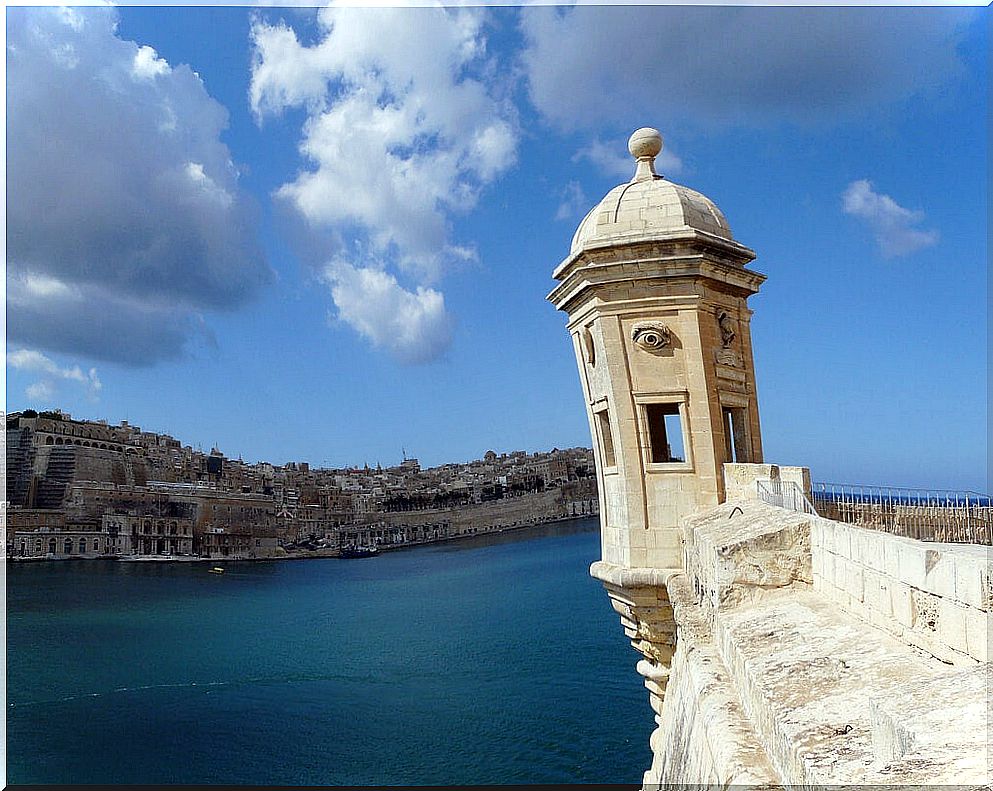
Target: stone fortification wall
x,y
509,512
773,681
704,737
932,596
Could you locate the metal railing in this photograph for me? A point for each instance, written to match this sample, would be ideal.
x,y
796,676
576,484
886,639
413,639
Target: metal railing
x,y
923,514
785,494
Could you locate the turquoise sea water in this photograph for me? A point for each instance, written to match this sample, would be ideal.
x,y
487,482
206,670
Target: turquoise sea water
x,y
491,660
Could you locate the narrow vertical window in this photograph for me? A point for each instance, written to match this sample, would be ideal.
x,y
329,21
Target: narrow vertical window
x,y
665,433
606,438
737,446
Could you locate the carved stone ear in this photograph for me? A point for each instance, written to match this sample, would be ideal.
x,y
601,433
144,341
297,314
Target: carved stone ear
x,y
727,329
589,350
651,335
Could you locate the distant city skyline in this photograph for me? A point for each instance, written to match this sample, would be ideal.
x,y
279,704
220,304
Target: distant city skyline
x,y
403,455
327,235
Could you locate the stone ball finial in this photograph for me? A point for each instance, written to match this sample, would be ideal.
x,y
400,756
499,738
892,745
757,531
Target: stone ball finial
x,y
644,145
645,142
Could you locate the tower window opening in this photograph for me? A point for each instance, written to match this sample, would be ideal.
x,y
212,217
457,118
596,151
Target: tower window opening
x,y
665,433
737,447
606,438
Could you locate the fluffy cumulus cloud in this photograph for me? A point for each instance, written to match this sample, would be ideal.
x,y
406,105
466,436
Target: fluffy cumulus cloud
x,y
125,222
895,228
722,65
412,325
403,130
50,375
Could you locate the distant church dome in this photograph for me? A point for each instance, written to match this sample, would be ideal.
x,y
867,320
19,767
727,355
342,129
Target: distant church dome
x,y
649,206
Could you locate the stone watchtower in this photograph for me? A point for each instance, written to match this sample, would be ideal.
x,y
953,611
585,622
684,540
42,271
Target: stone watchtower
x,y
656,292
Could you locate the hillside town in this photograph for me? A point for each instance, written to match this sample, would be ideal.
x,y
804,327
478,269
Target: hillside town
x,y
85,489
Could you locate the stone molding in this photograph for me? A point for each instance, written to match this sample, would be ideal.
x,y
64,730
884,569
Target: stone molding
x,y
640,596
625,577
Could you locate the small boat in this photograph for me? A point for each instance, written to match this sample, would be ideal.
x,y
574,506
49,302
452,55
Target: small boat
x,y
215,570
359,552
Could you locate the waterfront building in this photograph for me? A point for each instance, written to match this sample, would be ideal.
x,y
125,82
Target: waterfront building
x,y
61,543
148,535
232,544
29,520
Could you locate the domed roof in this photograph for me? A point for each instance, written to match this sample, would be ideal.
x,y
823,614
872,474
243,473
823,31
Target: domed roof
x,y
649,206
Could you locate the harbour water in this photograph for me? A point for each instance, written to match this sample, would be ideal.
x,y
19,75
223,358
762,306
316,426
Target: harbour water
x,y
490,660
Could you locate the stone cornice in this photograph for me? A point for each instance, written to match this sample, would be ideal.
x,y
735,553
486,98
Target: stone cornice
x,y
644,246
625,577
630,267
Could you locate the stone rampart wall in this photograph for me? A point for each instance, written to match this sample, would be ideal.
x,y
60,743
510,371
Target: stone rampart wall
x,y
509,512
778,678
932,596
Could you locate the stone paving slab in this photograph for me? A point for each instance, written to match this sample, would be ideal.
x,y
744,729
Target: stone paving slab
x,y
837,701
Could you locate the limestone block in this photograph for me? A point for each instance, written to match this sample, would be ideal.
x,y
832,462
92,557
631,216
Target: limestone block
x,y
704,739
876,592
854,581
891,740
843,541
841,564
952,625
828,577
740,479
891,556
798,475
816,556
858,552
838,703
913,569
939,573
827,528
969,581
662,557
872,551
978,634
901,604
926,611
916,728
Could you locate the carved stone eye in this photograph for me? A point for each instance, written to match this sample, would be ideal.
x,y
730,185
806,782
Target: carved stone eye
x,y
651,336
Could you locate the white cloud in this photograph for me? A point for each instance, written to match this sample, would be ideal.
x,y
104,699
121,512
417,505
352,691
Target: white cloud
x,y
147,64
613,159
404,129
574,202
42,286
412,325
893,226
128,222
40,392
51,374
635,65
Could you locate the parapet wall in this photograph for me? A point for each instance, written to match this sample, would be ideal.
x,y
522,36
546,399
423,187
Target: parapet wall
x,y
932,596
791,667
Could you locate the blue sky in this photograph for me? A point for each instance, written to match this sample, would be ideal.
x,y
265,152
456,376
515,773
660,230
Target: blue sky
x,y
327,236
